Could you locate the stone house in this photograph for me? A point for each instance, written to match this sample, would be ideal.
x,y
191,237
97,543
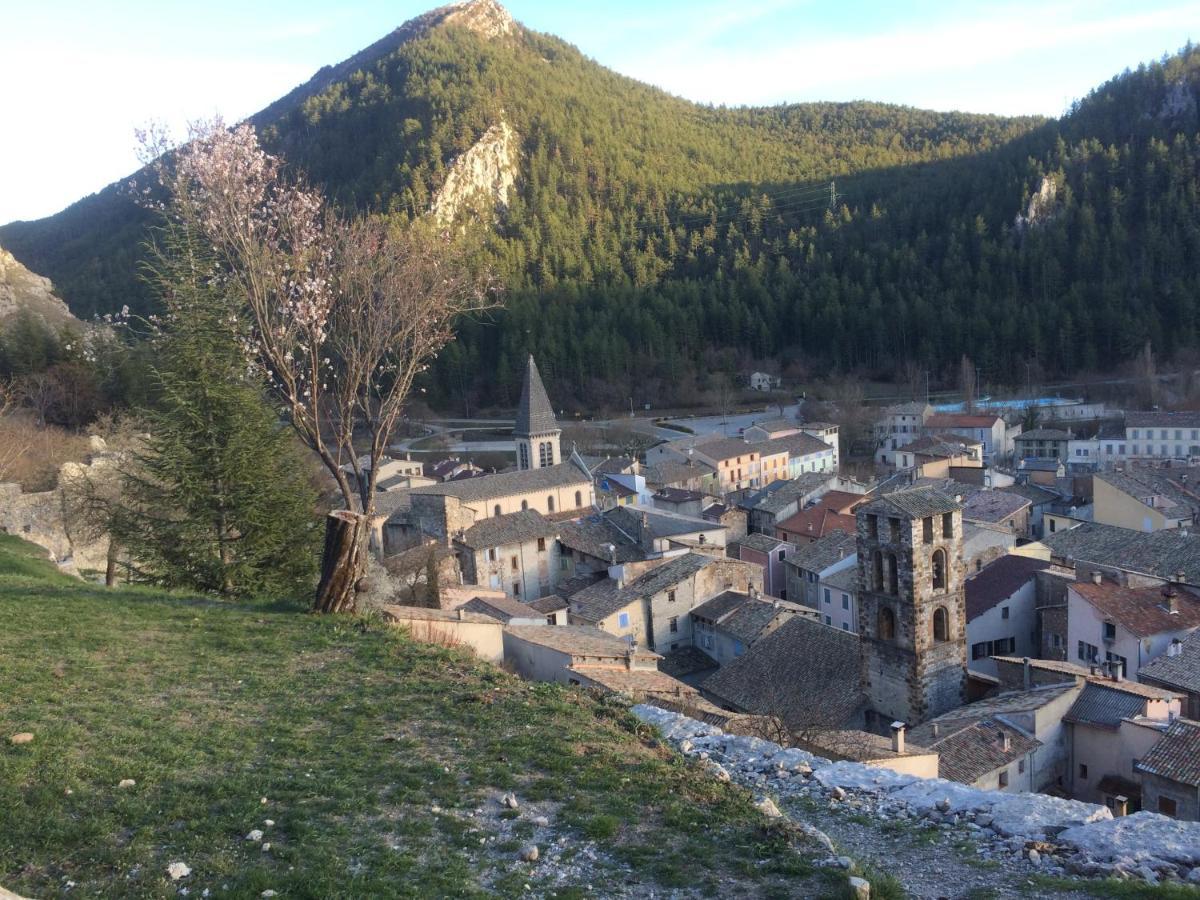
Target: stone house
x,y
1044,443
1144,499
983,544
769,553
680,502
764,381
810,563
517,553
1178,670
1000,508
733,518
1108,622
936,455
651,608
1041,501
900,425
766,508
724,626
1002,611
815,522
1170,772
986,428
505,609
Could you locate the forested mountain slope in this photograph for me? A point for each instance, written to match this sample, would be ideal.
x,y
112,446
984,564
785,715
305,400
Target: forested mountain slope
x,y
646,238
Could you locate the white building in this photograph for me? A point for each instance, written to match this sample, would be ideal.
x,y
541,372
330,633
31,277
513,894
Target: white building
x,y
838,594
1002,611
764,381
899,426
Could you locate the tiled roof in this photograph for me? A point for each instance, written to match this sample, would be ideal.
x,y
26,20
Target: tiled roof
x,y
1140,610
916,503
993,506
967,754
913,408
398,613
513,528
714,511
686,661
824,552
661,522
804,672
671,472
960,420
1031,492
723,448
634,682
843,580
577,640
941,445
780,494
1181,671
764,543
1156,489
502,608
1103,706
678,495
592,534
774,426
801,444
550,603
595,603
816,521
442,468
998,581
509,484
1176,756
535,415
841,501
1137,689
1184,419
1161,553
741,615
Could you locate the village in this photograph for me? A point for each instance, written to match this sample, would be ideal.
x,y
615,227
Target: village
x,y
1015,611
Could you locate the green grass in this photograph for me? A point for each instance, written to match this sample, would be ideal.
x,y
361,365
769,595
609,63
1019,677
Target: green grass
x,y
1119,890
350,731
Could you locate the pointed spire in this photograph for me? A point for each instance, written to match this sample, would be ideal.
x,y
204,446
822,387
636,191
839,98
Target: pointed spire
x,y
534,415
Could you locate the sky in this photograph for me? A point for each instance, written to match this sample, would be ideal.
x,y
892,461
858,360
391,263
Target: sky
x,y
81,76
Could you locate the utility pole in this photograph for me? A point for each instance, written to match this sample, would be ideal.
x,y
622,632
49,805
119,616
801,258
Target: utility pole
x,y
832,195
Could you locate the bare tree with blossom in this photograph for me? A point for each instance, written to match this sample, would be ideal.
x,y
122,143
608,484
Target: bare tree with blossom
x,y
342,314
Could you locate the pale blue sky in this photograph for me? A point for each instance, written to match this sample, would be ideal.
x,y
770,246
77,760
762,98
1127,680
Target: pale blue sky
x,y
79,76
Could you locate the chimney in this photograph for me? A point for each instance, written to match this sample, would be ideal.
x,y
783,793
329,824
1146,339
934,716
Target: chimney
x,y
1118,670
1168,595
936,729
629,652
462,616
898,737
1005,741
1120,805
753,592
1026,674
1097,576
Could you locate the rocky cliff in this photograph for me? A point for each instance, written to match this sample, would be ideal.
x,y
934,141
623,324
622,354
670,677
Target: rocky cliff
x,y
21,289
478,181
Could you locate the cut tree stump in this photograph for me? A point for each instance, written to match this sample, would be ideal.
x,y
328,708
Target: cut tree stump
x,y
342,562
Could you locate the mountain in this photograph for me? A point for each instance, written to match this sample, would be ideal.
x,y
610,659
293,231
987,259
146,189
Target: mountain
x,y
648,242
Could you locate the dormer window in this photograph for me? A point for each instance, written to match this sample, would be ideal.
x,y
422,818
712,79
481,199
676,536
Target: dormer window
x,y
1110,631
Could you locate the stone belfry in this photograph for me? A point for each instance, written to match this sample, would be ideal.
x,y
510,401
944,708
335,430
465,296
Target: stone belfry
x,y
536,432
912,607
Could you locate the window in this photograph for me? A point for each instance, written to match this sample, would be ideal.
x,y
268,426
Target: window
x,y
622,620
781,552
845,601
550,620
524,505
492,554
927,529
1110,631
979,650
941,626
1121,450
496,509
545,454
1088,652
827,600
845,626
893,575
738,649
1133,434
828,620
1053,526
516,589
979,565
670,596
1135,449
887,624
1167,806
1083,771
1004,612
947,525
894,528
563,565
673,624
877,568
1004,779
1056,641
939,569
1116,658
514,563
578,499
1162,433
550,503
541,545
524,448
873,527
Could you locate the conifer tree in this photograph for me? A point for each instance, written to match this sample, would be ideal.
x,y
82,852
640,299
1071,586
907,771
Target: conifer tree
x,y
217,499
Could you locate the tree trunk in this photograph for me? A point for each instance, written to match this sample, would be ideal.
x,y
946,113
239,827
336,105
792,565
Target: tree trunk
x,y
110,564
342,563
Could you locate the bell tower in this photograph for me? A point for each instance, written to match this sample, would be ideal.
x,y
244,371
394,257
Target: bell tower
x,y
536,432
912,606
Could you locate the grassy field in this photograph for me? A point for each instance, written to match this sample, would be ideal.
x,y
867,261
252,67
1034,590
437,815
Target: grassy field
x,y
378,762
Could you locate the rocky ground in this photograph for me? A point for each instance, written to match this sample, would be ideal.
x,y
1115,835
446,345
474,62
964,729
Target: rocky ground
x,y
940,838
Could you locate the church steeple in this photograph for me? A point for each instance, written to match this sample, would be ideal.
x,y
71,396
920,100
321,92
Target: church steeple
x,y
536,432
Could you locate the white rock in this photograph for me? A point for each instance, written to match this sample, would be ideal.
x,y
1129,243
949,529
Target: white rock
x,y
510,801
178,870
845,862
266,847
269,822
126,783
529,853
1034,856
268,893
860,888
255,835
541,822
837,793
767,807
1130,840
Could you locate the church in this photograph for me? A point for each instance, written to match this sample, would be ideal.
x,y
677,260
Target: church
x,y
542,481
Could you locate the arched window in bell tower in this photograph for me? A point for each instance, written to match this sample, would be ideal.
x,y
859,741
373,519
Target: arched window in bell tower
x,y
893,586
939,569
941,627
877,570
887,624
